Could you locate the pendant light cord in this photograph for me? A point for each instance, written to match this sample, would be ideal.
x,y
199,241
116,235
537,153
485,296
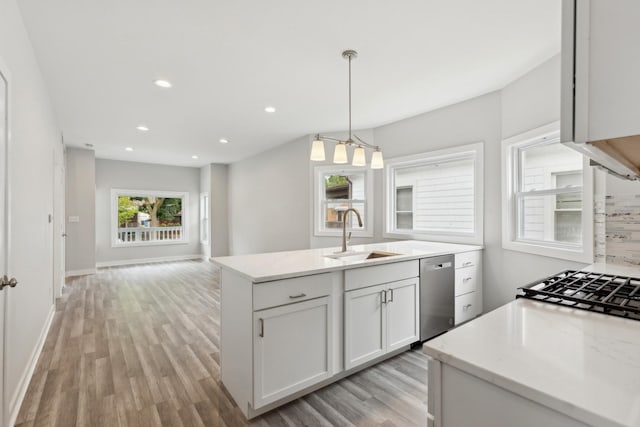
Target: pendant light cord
x,y
349,97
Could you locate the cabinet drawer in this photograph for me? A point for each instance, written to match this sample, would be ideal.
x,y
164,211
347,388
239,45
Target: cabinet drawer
x,y
467,259
367,276
467,307
286,291
466,280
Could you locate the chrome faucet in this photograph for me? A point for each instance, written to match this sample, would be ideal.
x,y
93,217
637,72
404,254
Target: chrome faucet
x,y
344,226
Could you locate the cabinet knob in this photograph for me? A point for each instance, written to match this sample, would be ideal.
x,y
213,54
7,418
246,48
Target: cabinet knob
x,y
466,279
466,307
467,263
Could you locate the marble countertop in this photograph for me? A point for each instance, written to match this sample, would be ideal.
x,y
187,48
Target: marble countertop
x,y
585,365
281,265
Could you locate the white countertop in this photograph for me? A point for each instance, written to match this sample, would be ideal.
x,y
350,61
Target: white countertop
x,y
281,265
585,365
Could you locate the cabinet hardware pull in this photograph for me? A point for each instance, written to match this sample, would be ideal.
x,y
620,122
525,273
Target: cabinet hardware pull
x,y
466,307
261,334
300,295
467,263
5,281
384,296
390,295
466,279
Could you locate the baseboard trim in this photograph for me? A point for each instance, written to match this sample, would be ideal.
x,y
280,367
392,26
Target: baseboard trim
x,y
85,272
16,401
147,260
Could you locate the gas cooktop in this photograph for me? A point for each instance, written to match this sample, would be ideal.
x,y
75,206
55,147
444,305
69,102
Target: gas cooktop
x,y
603,293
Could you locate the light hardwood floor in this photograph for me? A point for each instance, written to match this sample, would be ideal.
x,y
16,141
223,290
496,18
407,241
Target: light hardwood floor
x,y
138,346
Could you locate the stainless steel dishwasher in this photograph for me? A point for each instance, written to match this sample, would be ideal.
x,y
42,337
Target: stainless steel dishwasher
x,y
437,295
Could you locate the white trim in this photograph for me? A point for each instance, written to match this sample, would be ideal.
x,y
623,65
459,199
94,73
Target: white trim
x,y
578,253
85,272
474,150
115,192
318,189
117,263
23,385
4,69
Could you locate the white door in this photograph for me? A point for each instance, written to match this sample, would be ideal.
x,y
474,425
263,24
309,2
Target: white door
x,y
403,313
364,325
292,348
4,221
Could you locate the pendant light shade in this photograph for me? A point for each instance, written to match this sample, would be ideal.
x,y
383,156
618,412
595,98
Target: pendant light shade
x,y
358,157
317,150
340,154
376,160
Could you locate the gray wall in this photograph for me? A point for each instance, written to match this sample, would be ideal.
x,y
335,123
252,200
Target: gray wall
x,y
269,206
285,219
143,176
219,210
214,179
35,141
80,201
205,187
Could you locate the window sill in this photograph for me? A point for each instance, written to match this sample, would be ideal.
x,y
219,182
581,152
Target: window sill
x,y
551,251
152,243
339,233
445,238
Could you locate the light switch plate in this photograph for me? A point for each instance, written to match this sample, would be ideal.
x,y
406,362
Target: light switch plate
x,y
74,219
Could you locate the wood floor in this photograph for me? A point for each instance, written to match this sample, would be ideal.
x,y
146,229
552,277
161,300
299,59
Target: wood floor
x,y
138,346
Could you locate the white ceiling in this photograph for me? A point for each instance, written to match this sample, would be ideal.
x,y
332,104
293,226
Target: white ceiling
x,y
229,59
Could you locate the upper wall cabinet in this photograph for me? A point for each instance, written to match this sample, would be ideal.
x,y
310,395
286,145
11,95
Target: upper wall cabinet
x,y
601,83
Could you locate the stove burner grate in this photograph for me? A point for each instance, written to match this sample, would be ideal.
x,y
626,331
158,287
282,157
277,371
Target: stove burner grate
x,y
604,293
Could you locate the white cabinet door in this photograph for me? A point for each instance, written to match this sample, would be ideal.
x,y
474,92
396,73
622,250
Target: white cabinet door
x,y
292,348
403,313
364,325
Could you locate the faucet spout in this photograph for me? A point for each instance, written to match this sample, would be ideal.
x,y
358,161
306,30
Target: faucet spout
x,y
344,226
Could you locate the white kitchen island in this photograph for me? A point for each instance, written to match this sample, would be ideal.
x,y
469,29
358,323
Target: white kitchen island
x,y
292,322
532,363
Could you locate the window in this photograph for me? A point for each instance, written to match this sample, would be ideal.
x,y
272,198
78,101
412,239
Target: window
x,y
436,195
547,200
204,218
337,189
148,217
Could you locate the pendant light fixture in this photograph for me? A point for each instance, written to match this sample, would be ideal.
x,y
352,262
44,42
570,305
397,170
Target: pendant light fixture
x,y
340,150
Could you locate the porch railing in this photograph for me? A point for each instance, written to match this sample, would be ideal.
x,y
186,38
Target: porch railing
x,y
146,234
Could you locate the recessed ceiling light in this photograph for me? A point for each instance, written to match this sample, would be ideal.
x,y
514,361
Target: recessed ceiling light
x,y
128,149
142,128
194,157
223,141
270,109
162,83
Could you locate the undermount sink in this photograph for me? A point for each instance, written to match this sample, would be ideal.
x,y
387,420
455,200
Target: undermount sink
x,y
360,256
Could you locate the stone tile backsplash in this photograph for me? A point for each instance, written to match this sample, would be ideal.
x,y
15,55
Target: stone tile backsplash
x,y
620,225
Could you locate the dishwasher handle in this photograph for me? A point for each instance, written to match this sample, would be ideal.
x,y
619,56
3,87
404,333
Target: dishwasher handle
x,y
434,267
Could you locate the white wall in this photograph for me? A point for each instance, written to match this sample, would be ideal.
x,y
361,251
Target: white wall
x,y
269,205
35,141
144,176
80,201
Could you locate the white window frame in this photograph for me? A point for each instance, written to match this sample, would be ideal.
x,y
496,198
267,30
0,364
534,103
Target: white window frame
x,y
205,214
474,151
510,241
318,197
117,192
